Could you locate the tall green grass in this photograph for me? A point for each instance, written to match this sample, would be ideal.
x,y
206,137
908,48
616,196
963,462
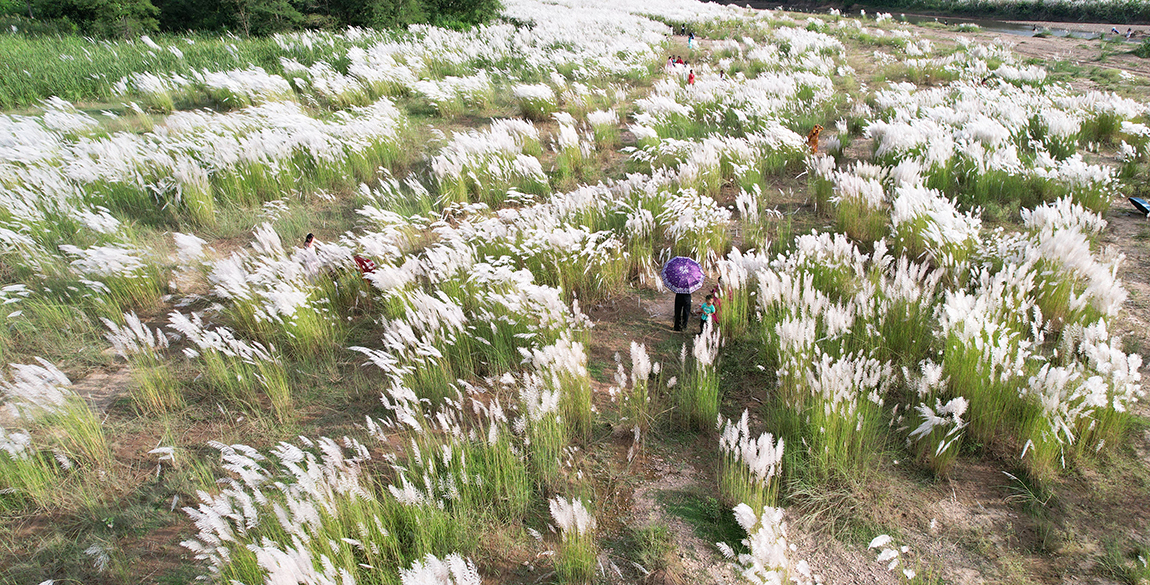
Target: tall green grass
x,y
698,393
81,69
31,478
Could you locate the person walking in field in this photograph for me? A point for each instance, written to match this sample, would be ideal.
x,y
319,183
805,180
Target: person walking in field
x,y
682,276
682,310
706,311
691,77
308,257
813,138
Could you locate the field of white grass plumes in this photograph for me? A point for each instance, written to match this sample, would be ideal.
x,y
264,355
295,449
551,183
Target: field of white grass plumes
x,y
469,374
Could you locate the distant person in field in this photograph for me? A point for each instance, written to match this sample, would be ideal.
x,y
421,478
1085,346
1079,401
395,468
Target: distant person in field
x,y
308,256
813,138
691,41
691,77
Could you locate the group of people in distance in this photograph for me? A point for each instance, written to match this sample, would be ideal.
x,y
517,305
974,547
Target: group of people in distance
x,y
672,61
708,310
677,60
1129,32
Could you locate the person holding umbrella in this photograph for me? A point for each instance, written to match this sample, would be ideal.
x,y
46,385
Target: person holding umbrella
x,y
682,276
682,310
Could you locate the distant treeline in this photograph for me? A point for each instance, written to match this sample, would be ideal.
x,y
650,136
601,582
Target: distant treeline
x,y
125,18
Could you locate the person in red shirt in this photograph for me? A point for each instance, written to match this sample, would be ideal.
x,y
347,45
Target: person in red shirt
x,y
691,77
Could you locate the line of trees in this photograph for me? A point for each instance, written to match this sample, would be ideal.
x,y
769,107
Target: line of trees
x,y
128,18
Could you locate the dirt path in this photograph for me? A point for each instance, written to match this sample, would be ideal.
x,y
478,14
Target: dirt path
x,y
1052,49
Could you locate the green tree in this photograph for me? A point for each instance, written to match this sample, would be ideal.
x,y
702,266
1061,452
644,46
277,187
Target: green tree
x,y
194,15
375,13
465,13
15,7
108,18
263,17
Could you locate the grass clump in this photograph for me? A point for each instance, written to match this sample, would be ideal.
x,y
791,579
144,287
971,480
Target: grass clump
x,y
636,409
328,508
751,469
27,475
155,391
536,102
575,561
698,395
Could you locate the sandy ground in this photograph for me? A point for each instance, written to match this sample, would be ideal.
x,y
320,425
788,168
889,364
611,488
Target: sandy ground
x,y
1077,51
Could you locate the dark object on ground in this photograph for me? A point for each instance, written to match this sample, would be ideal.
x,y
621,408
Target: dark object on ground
x,y
1141,205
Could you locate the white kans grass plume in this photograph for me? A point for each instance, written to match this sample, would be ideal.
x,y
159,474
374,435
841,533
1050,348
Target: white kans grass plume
x,y
751,468
536,101
941,426
572,517
16,444
309,513
1081,404
43,393
575,560
486,164
767,561
276,295
927,225
636,405
189,248
190,157
698,398
1061,215
452,570
238,368
699,224
37,389
563,367
107,261
891,555
134,337
846,399
155,388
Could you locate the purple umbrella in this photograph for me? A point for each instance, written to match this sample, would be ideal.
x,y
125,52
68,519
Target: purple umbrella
x,y
682,275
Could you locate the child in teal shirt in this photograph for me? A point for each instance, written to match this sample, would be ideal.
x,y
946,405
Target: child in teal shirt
x,y
705,312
